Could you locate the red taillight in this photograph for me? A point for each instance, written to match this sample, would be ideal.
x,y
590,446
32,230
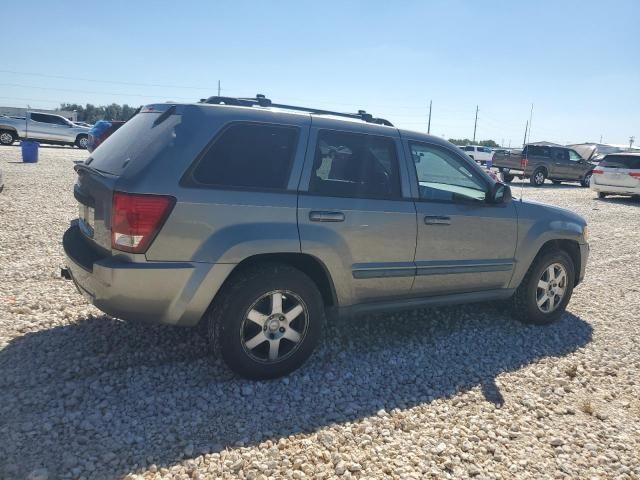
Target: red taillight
x,y
137,219
597,172
523,163
635,174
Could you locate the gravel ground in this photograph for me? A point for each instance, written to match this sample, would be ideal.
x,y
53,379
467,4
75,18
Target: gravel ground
x,y
447,393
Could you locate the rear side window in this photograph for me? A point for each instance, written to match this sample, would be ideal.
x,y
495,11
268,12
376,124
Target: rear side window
x,y
468,149
537,151
355,165
249,156
621,161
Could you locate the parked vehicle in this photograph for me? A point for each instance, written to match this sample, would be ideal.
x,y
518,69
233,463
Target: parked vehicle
x,y
478,153
257,220
617,174
44,128
83,124
101,131
540,162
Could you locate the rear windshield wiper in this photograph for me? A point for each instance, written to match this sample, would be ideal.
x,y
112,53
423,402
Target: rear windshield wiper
x,y
166,114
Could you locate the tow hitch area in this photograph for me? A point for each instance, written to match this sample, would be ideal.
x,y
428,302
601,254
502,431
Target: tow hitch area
x,y
65,273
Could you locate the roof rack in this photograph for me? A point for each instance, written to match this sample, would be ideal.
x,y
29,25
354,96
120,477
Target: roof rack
x,y
262,101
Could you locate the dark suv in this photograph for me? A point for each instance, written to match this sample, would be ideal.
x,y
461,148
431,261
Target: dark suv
x,y
257,219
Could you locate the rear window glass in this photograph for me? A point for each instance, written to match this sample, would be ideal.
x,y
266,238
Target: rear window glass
x,y
621,161
249,156
136,142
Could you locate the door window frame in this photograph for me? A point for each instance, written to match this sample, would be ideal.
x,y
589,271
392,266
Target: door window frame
x,y
405,193
463,158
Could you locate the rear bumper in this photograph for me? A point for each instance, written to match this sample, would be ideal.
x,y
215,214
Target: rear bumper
x,y
175,293
596,187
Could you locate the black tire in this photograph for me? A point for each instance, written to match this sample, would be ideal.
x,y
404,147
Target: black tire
x,y
506,177
586,181
82,141
538,177
602,195
230,329
7,137
556,182
524,301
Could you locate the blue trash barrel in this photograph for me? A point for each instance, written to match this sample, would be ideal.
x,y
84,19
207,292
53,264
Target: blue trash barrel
x,y
29,151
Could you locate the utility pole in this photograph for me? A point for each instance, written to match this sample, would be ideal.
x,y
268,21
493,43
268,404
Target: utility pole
x,y
502,142
526,127
218,87
530,122
475,125
600,138
429,125
631,140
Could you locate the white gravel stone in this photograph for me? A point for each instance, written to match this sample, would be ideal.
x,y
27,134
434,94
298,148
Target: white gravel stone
x,y
443,393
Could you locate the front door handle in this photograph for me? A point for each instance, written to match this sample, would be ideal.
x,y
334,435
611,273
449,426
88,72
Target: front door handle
x,y
437,220
323,216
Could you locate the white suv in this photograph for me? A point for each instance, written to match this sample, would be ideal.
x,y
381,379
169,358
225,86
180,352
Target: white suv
x,y
478,153
617,174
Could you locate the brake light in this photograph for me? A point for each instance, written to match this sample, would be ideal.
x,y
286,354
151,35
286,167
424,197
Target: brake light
x,y
597,172
635,174
523,163
136,220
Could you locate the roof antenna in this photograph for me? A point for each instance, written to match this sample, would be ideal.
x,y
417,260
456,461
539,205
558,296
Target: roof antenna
x,y
525,149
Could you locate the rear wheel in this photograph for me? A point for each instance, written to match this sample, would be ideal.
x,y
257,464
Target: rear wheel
x,y
546,289
538,177
82,141
7,137
586,181
267,321
507,177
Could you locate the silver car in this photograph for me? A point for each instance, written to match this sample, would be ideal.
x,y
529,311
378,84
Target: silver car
x,y
257,220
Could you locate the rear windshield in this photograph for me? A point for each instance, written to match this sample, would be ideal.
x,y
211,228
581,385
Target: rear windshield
x,y
136,142
621,161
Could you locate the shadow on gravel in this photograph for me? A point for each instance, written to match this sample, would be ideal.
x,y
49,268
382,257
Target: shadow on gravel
x,y
634,202
101,398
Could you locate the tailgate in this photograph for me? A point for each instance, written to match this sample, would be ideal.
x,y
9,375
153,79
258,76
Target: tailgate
x,y
94,191
617,177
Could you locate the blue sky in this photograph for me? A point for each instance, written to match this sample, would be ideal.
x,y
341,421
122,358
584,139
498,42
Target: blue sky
x,y
578,62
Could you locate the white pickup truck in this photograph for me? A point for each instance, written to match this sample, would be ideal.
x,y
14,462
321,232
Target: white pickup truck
x,y
43,127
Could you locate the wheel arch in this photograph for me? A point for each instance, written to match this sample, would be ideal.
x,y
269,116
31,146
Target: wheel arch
x,y
570,247
306,263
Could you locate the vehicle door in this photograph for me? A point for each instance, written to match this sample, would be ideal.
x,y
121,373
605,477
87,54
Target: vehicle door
x,y
561,167
465,244
355,211
577,166
45,127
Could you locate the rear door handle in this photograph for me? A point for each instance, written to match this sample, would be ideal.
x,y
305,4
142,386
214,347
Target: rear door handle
x,y
437,220
323,216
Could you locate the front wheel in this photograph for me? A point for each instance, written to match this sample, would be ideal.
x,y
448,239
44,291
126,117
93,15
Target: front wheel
x,y
82,141
7,137
267,322
546,289
586,181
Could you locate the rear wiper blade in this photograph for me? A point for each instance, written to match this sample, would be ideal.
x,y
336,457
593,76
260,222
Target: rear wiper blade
x,y
166,114
86,168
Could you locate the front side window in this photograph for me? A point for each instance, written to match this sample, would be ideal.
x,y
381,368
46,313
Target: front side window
x,y
574,157
355,165
249,156
442,176
468,149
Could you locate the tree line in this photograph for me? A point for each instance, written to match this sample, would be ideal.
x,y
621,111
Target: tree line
x,y
92,113
466,141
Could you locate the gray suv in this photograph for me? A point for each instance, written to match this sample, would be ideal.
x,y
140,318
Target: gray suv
x,y
256,220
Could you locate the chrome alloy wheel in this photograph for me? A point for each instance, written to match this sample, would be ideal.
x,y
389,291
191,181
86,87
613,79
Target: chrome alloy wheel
x,y
551,288
539,178
274,326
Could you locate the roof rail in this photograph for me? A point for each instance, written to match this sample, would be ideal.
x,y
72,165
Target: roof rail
x,y
262,101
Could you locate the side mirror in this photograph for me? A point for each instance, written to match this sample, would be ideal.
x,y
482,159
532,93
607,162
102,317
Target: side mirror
x,y
500,193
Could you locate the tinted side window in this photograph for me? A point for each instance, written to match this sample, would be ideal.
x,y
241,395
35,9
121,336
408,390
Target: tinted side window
x,y
468,149
249,156
537,151
38,117
443,176
559,154
355,165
